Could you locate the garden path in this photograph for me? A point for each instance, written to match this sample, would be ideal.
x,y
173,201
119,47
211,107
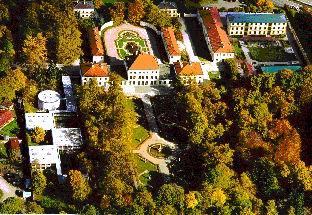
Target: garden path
x,y
8,189
154,138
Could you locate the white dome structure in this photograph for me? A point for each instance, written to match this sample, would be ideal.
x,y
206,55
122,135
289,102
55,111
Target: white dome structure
x,y
49,100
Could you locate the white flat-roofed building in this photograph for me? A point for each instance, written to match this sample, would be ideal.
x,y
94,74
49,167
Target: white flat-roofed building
x,y
85,9
45,156
67,139
42,120
49,100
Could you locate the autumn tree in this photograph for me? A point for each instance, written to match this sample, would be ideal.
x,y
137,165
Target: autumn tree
x,y
68,41
171,194
79,186
117,12
39,182
34,51
37,135
136,11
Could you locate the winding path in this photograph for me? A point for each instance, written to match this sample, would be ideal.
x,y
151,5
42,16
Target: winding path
x,y
143,149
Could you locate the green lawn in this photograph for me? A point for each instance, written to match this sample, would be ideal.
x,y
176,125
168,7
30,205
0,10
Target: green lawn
x,y
142,166
11,129
3,151
215,75
140,134
271,54
238,50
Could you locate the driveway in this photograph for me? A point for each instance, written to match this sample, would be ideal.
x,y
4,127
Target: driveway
x,y
8,189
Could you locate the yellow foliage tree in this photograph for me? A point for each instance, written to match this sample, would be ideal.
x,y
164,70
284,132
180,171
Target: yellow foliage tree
x,y
34,50
190,200
79,185
37,135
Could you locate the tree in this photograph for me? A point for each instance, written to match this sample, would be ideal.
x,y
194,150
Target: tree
x,y
136,11
34,208
68,41
37,135
89,210
98,4
34,51
39,182
271,208
117,13
155,17
79,185
170,194
231,69
191,200
12,205
4,14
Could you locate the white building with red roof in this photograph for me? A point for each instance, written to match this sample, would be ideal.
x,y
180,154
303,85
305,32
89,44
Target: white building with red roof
x,y
216,37
96,45
189,71
171,45
98,71
85,9
143,71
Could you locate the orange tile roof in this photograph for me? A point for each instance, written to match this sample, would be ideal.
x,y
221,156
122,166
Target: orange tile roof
x,y
96,42
13,143
171,42
95,70
219,40
145,62
188,69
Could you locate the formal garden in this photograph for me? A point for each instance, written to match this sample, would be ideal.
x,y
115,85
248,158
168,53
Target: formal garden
x,y
128,43
269,51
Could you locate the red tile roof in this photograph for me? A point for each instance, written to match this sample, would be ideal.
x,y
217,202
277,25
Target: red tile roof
x,y
96,42
5,117
95,70
218,38
145,62
188,69
171,42
86,5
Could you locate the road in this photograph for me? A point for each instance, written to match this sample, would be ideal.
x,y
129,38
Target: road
x,y
8,189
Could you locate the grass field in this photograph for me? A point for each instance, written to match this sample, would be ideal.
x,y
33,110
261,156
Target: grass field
x,y
11,129
238,50
142,166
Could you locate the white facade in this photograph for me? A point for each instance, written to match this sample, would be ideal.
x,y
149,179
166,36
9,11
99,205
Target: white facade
x,y
171,12
102,81
217,57
42,120
67,139
45,156
197,78
258,29
97,59
143,77
49,100
85,9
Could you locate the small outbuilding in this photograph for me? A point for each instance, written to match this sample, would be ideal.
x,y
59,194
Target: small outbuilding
x,y
49,100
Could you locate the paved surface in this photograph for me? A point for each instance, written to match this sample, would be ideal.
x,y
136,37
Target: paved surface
x,y
8,189
154,139
187,42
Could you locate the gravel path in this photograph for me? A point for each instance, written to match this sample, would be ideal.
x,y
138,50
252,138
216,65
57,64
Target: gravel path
x,y
8,189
